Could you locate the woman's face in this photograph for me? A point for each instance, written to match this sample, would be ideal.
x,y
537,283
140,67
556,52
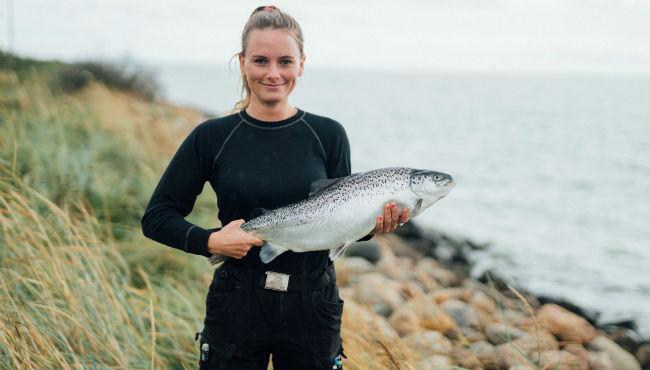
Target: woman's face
x,y
271,65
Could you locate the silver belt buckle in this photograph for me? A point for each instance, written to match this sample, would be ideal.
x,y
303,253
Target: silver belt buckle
x,y
276,281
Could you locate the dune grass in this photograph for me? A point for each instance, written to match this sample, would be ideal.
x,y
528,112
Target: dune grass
x,y
80,286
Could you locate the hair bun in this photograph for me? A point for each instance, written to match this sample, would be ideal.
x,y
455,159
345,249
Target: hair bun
x,y
266,8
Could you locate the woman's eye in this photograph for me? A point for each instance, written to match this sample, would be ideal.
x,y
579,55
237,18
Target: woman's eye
x,y
286,61
259,61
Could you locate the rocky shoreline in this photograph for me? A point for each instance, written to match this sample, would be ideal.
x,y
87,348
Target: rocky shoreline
x,y
418,284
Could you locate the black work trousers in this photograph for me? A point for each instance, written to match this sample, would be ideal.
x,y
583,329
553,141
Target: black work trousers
x,y
246,323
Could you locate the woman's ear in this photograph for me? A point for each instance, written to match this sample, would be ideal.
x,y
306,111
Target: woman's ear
x,y
241,62
302,65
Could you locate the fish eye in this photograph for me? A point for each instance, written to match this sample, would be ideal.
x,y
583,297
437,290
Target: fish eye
x,y
437,178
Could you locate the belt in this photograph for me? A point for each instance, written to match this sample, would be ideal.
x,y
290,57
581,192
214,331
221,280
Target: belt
x,y
311,281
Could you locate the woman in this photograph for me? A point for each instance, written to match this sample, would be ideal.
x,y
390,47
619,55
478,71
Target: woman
x,y
266,155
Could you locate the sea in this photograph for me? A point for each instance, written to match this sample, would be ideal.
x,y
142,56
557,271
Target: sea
x,y
552,168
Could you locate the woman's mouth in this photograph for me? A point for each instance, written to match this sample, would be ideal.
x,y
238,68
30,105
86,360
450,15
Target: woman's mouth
x,y
272,85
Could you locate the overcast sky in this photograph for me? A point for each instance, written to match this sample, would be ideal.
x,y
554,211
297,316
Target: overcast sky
x,y
492,35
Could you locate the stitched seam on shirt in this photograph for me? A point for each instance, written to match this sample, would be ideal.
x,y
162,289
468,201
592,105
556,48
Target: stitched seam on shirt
x,y
272,128
187,236
317,138
224,144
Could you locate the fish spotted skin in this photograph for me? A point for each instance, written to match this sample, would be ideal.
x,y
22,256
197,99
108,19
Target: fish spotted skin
x,y
344,211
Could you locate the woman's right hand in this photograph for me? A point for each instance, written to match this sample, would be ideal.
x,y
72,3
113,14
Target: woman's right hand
x,y
232,241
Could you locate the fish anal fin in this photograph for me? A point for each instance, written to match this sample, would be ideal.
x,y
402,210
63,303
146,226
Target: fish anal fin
x,y
270,251
217,258
338,252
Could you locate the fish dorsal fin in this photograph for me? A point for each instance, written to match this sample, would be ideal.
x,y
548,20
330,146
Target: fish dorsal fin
x,y
270,251
338,252
320,184
416,208
258,212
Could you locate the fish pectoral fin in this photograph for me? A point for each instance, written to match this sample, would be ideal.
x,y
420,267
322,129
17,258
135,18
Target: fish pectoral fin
x,y
338,252
270,251
416,208
320,184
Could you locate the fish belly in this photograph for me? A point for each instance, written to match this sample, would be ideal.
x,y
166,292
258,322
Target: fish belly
x,y
334,226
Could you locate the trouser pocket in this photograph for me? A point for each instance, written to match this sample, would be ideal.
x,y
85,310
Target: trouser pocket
x,y
214,354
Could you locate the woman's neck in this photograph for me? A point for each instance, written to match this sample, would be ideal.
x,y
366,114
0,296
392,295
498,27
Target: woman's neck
x,y
270,113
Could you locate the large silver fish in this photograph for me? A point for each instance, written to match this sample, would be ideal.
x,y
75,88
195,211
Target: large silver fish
x,y
340,211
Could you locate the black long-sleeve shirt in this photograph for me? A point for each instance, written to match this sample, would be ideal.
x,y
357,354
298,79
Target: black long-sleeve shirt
x,y
249,163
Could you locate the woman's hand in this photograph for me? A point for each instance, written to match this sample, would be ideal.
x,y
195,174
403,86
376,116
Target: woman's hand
x,y
389,221
232,241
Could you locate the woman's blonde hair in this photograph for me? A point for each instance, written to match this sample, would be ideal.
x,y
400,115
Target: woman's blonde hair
x,y
264,17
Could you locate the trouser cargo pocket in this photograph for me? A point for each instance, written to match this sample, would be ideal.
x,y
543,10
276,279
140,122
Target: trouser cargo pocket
x,y
214,354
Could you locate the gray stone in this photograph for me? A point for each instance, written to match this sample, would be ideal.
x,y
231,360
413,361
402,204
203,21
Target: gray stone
x,y
621,359
498,333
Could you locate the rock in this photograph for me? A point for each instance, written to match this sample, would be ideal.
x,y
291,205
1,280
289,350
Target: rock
x,y
396,269
433,318
482,302
472,335
368,250
526,349
521,367
590,316
410,290
442,295
492,278
421,313
428,343
515,317
510,357
622,335
599,361
621,359
462,313
486,354
643,356
405,321
465,358
578,351
498,333
565,325
435,362
400,247
378,292
562,360
534,343
348,270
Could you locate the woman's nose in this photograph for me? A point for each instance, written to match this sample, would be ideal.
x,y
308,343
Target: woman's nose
x,y
273,72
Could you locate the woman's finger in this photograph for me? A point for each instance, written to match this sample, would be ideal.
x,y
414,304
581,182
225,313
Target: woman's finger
x,y
387,218
379,225
404,217
393,216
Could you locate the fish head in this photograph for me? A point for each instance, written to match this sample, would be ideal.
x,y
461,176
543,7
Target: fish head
x,y
430,186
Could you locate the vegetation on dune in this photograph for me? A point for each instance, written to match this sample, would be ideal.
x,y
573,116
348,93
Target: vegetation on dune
x,y
80,286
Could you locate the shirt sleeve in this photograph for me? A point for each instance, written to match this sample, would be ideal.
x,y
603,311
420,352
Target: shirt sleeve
x,y
174,198
339,163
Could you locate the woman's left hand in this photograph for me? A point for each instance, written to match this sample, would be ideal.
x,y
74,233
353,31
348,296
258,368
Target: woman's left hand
x,y
390,219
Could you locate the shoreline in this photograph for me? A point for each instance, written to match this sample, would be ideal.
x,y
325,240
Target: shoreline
x,y
408,275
